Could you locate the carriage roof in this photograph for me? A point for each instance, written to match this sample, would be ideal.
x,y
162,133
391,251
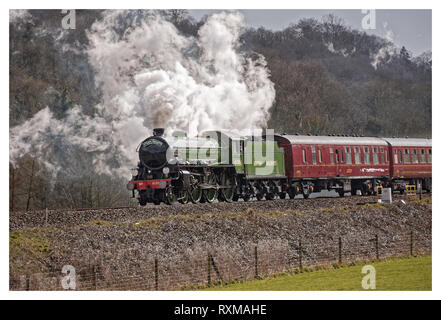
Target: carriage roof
x,y
330,140
409,142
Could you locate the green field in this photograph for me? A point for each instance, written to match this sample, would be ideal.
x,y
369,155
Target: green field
x,y
408,274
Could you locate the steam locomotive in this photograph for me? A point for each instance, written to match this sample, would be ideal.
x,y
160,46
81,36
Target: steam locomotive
x,y
224,166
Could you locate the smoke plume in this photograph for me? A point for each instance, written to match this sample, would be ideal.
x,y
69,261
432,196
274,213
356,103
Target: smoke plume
x,y
387,50
150,75
19,16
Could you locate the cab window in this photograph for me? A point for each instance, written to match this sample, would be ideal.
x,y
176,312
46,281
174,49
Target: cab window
x,y
236,146
429,156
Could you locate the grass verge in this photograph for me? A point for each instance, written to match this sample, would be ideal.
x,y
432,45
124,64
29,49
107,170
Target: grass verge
x,y
401,274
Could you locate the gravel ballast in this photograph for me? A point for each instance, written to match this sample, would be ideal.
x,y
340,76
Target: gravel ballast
x,y
124,242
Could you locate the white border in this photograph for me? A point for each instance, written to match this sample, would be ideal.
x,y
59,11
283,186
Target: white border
x,y
199,4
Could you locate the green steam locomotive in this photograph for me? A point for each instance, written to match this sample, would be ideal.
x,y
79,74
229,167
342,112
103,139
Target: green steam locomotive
x,y
216,165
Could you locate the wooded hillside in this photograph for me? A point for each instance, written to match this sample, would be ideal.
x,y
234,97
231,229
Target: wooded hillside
x,y
323,73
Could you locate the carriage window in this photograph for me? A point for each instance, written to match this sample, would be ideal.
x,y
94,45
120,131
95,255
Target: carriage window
x,y
304,155
314,156
423,156
367,159
386,156
375,156
339,154
395,156
406,156
331,155
348,156
320,155
429,156
415,156
381,155
357,155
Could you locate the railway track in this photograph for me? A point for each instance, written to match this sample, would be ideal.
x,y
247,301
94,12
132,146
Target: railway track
x,y
78,217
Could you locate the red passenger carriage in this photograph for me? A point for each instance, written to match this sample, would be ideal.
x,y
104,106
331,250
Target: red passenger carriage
x,y
348,164
411,162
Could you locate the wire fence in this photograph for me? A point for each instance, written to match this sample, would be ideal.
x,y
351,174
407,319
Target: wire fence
x,y
209,269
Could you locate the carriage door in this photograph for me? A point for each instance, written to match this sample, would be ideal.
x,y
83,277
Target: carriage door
x,y
333,157
339,155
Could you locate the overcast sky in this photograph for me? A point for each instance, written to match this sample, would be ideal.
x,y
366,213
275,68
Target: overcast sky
x,y
411,28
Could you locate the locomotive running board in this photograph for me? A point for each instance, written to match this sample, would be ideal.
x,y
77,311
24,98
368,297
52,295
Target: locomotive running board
x,y
206,186
263,178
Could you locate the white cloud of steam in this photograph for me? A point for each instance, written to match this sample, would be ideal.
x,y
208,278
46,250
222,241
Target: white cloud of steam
x,y
154,73
387,50
344,52
19,16
150,75
55,142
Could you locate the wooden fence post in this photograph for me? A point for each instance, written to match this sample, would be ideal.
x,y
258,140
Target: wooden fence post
x,y
30,186
339,251
420,191
300,255
377,247
156,275
256,271
28,282
209,269
95,277
12,189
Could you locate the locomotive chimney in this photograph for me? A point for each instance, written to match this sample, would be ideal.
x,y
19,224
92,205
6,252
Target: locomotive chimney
x,y
158,132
